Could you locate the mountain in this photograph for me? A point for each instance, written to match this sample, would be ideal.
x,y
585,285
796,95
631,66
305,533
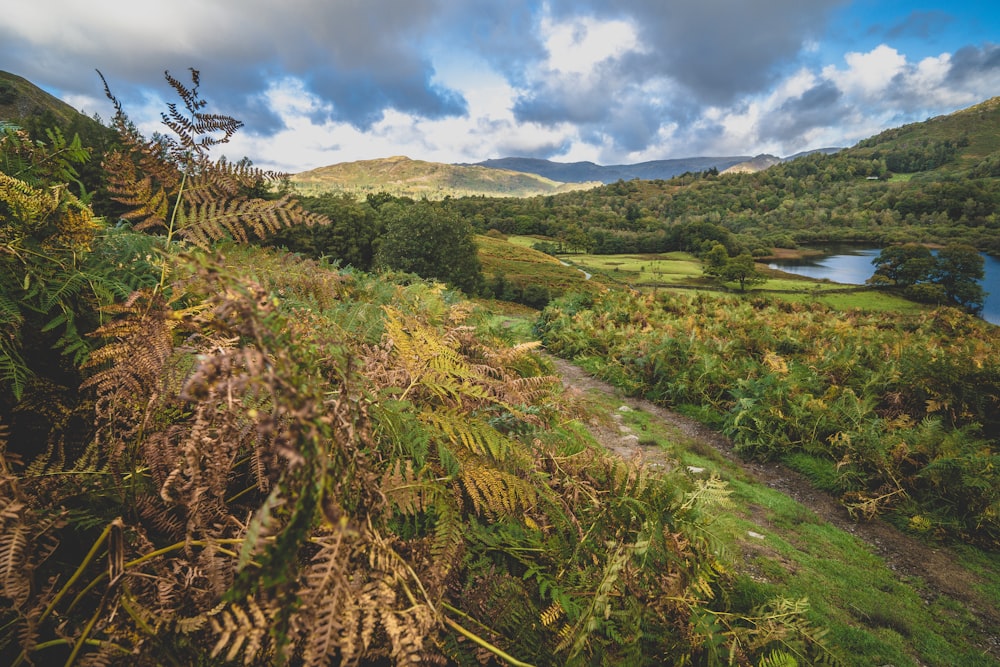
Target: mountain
x,y
964,141
824,151
22,101
579,172
766,161
402,176
758,163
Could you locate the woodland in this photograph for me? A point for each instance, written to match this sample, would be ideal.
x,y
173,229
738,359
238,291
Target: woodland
x,y
239,426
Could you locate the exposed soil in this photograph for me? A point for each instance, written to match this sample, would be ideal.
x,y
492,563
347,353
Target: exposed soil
x,y
906,556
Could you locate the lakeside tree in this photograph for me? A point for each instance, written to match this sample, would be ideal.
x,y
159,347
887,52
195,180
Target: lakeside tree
x,y
743,270
952,276
958,270
904,265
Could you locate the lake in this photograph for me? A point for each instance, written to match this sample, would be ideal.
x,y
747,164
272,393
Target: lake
x,y
852,265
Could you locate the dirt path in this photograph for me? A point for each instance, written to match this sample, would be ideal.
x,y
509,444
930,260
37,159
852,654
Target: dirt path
x,y
908,557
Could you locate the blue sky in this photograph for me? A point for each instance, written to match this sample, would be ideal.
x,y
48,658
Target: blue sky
x,y
612,81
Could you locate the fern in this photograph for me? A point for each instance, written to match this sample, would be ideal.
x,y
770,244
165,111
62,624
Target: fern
x,y
240,628
172,184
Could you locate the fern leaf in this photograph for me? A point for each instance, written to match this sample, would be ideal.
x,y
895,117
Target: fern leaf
x,y
496,492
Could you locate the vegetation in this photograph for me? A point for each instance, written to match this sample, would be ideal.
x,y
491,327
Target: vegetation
x,y
214,452
403,177
905,407
949,277
951,196
739,269
260,458
433,244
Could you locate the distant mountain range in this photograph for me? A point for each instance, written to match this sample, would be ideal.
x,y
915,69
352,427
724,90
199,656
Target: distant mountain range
x,y
580,172
509,176
502,177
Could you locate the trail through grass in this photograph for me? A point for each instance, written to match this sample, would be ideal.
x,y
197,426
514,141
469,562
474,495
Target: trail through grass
x,y
883,597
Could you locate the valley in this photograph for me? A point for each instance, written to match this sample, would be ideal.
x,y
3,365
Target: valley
x,y
250,420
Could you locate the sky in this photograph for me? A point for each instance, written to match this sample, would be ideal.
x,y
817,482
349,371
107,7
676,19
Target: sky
x,y
318,82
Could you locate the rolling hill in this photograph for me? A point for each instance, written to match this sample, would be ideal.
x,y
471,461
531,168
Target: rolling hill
x,y
401,176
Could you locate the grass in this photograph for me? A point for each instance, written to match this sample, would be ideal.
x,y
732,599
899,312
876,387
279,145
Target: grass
x,y
674,268
521,265
872,615
679,269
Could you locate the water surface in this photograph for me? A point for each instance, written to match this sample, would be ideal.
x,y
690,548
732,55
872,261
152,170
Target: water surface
x,y
852,265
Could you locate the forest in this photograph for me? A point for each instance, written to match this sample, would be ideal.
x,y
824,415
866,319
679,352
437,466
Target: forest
x,y
238,426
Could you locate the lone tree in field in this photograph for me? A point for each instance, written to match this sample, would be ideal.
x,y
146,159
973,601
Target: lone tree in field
x,y
742,269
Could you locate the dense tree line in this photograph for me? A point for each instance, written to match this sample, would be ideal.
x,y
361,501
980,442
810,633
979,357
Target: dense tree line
x,y
847,196
390,233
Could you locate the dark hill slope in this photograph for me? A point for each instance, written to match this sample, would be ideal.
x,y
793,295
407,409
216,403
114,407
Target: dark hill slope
x,y
580,172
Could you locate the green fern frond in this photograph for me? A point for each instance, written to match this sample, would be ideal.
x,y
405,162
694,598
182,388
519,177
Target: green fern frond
x,y
496,493
470,435
709,494
14,371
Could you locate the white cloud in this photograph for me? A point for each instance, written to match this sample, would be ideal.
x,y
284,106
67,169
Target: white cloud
x,y
577,45
867,74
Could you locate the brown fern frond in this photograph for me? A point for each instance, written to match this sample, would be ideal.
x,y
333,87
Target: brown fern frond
x,y
239,219
172,184
195,129
240,629
403,488
327,600
149,200
27,537
131,363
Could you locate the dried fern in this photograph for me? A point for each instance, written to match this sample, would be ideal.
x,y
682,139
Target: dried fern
x,y
172,184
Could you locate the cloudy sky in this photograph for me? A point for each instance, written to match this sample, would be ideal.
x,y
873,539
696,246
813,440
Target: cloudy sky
x,y
318,82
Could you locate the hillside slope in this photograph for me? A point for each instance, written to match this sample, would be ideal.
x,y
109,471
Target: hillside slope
x,y
401,176
578,172
21,100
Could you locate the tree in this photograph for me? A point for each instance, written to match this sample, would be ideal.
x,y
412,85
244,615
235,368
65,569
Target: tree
x,y
743,270
905,265
715,260
349,238
430,241
950,277
958,269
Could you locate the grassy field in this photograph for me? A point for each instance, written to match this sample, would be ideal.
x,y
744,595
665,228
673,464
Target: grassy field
x,y
673,270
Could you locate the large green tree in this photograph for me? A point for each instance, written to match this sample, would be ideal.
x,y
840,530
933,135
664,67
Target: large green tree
x,y
905,264
958,269
952,276
743,270
430,241
349,238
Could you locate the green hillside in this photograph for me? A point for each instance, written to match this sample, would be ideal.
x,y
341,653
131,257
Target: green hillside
x,y
932,182
403,177
26,106
21,100
960,141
